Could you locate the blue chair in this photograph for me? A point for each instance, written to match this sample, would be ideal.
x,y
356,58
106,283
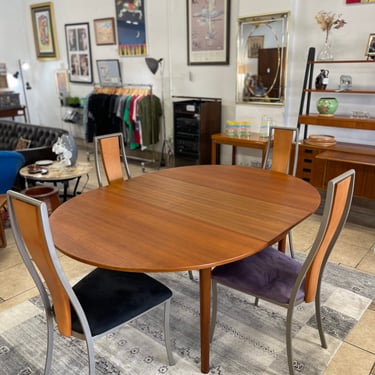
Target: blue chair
x,y
10,164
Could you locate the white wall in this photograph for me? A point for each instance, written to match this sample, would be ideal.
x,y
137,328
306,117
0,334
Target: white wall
x,y
167,38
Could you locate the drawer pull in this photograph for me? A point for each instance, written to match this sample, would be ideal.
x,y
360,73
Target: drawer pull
x,y
308,151
307,170
307,160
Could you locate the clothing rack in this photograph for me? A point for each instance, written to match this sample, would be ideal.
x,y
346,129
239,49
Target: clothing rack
x,y
128,89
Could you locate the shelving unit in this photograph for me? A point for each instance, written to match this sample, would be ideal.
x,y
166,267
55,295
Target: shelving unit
x,y
195,120
318,164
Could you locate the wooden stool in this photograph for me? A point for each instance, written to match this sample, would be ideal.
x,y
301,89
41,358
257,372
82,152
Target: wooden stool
x,y
47,194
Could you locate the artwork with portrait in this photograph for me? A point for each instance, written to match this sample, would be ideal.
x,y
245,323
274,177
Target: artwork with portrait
x,y
79,52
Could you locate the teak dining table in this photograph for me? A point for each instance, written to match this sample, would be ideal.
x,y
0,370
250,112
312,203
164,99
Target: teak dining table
x,y
179,219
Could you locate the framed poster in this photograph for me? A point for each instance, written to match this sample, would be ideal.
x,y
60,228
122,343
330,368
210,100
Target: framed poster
x,y
109,73
44,31
62,83
208,32
79,52
359,1
131,28
105,31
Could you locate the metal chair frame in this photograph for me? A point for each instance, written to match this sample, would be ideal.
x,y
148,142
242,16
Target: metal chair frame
x,y
336,210
39,254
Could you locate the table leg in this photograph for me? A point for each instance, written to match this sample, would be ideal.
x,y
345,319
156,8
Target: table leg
x,y
282,245
234,151
66,186
213,152
205,307
76,186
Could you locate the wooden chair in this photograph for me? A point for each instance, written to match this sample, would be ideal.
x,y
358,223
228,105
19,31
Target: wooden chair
x,y
99,303
113,157
277,278
280,140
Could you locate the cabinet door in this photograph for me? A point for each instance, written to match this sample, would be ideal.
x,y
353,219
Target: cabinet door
x,y
268,72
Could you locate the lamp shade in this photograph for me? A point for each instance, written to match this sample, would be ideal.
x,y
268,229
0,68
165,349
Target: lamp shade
x,y
153,64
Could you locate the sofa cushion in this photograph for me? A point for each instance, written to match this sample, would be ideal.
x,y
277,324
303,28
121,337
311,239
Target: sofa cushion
x,y
23,143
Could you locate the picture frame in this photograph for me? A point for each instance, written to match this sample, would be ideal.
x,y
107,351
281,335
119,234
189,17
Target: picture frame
x,y
208,30
254,43
109,73
105,31
359,1
79,52
370,49
62,83
44,31
131,28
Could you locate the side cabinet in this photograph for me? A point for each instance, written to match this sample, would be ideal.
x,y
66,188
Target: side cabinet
x,y
318,171
194,123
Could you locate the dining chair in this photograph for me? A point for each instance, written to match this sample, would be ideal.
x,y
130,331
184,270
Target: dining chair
x,y
277,278
10,164
280,141
113,157
100,302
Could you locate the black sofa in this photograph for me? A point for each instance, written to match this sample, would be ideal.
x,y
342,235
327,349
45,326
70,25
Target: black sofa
x,y
42,139
40,148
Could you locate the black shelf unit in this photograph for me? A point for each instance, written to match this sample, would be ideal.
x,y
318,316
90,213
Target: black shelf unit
x,y
195,120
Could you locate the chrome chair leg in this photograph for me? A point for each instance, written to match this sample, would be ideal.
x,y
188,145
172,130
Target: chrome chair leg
x,y
47,367
91,355
291,247
213,309
167,337
289,349
319,321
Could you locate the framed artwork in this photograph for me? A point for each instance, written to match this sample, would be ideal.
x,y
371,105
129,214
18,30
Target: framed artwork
x,y
44,31
109,73
3,76
62,83
105,31
208,32
254,43
370,49
79,52
131,28
359,1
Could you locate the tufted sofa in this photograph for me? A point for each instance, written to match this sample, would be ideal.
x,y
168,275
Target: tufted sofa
x,y
40,148
42,138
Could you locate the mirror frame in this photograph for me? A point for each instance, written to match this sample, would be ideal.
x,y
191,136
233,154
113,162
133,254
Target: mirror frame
x,y
262,37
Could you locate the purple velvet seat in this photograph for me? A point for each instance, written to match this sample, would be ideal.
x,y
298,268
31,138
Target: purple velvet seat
x,y
269,274
273,276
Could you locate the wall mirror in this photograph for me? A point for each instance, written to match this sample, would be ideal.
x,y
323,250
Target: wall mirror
x,y
262,59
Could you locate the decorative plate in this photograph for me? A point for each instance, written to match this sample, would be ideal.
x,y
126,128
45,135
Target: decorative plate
x,y
44,163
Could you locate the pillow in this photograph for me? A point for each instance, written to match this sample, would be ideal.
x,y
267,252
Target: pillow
x,y
23,143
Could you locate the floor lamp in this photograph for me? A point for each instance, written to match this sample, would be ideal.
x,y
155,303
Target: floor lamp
x,y
25,87
154,65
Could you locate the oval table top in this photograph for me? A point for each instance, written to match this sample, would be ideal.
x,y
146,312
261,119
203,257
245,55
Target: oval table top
x,y
185,218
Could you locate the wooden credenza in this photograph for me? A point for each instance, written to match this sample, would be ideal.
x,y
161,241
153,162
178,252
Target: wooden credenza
x,y
317,165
